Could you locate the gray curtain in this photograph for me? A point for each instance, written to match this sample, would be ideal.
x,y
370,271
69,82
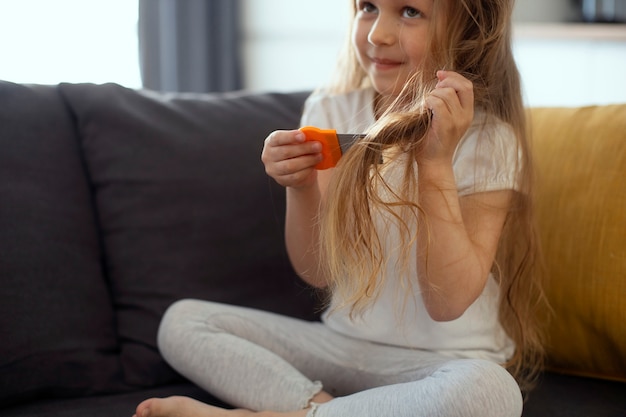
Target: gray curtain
x,y
189,45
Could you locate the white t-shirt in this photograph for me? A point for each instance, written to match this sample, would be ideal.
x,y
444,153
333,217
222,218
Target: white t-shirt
x,y
486,159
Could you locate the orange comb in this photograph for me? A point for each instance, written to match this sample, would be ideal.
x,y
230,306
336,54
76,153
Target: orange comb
x,y
333,144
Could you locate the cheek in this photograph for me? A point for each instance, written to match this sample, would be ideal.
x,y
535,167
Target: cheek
x,y
359,37
415,51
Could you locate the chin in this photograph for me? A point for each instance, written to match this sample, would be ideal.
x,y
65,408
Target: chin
x,y
388,92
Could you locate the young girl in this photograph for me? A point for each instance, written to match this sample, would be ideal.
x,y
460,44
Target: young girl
x,y
422,236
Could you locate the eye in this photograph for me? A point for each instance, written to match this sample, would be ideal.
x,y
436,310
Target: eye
x,y
367,7
411,13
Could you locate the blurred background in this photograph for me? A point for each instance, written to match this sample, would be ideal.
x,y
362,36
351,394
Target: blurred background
x,y
570,52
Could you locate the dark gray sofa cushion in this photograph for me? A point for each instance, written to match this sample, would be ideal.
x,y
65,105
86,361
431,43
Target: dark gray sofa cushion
x,y
119,405
185,207
558,395
56,319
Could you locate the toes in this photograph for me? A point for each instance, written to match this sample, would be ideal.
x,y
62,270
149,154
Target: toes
x,y
175,406
143,409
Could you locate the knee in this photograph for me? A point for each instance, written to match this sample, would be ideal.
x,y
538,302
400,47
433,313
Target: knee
x,y
495,391
175,322
178,309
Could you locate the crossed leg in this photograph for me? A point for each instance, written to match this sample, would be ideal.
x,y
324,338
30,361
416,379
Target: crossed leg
x,y
245,358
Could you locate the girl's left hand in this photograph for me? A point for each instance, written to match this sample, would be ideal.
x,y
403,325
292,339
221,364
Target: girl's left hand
x,y
452,106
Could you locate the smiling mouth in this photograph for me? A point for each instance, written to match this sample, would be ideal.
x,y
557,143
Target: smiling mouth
x,y
385,63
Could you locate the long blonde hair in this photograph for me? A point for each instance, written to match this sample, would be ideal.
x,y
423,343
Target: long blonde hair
x,y
472,37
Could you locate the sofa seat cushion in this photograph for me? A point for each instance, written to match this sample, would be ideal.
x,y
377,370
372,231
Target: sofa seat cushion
x,y
556,396
559,395
118,405
580,155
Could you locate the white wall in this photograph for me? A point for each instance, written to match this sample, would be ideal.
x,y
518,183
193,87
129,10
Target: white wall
x,y
49,42
572,71
544,11
292,45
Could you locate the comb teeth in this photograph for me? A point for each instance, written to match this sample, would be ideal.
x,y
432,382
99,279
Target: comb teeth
x,y
347,139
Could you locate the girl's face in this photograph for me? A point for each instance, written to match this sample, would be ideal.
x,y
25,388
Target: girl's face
x,y
390,39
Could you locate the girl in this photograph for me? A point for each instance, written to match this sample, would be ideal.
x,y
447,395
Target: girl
x,y
422,236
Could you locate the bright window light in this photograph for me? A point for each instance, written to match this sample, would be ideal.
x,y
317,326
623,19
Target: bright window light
x,y
48,42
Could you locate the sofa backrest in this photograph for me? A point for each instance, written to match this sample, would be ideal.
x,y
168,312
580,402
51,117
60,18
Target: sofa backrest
x,y
114,204
184,206
580,156
57,326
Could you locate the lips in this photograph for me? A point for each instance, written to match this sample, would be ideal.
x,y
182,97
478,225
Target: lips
x,y
385,63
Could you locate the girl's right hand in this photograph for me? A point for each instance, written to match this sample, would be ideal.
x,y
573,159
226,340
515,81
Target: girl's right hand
x,y
290,159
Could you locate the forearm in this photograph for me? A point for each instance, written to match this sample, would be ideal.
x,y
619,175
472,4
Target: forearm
x,y
302,234
452,273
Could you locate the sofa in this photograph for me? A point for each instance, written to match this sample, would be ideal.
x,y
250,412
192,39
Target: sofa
x,y
116,202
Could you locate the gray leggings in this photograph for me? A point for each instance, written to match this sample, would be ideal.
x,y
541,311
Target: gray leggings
x,y
263,361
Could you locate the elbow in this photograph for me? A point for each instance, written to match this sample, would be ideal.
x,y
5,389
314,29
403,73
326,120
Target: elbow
x,y
444,314
452,301
311,276
442,309
315,282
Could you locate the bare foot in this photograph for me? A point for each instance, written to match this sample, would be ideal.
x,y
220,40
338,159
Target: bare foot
x,y
184,407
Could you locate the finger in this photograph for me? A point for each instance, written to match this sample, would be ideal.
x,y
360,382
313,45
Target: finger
x,y
294,172
297,165
287,152
464,88
281,145
443,101
453,78
285,137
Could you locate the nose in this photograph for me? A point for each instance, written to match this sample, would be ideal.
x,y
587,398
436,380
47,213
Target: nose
x,y
383,32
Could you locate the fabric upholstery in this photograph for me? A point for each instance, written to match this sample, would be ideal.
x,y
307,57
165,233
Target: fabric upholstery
x,y
112,199
185,207
120,405
558,395
580,156
57,334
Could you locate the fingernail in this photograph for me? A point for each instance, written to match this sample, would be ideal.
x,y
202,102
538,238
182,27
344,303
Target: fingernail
x,y
300,137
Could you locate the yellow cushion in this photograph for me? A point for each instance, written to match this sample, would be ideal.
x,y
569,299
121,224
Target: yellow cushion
x,y
580,156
